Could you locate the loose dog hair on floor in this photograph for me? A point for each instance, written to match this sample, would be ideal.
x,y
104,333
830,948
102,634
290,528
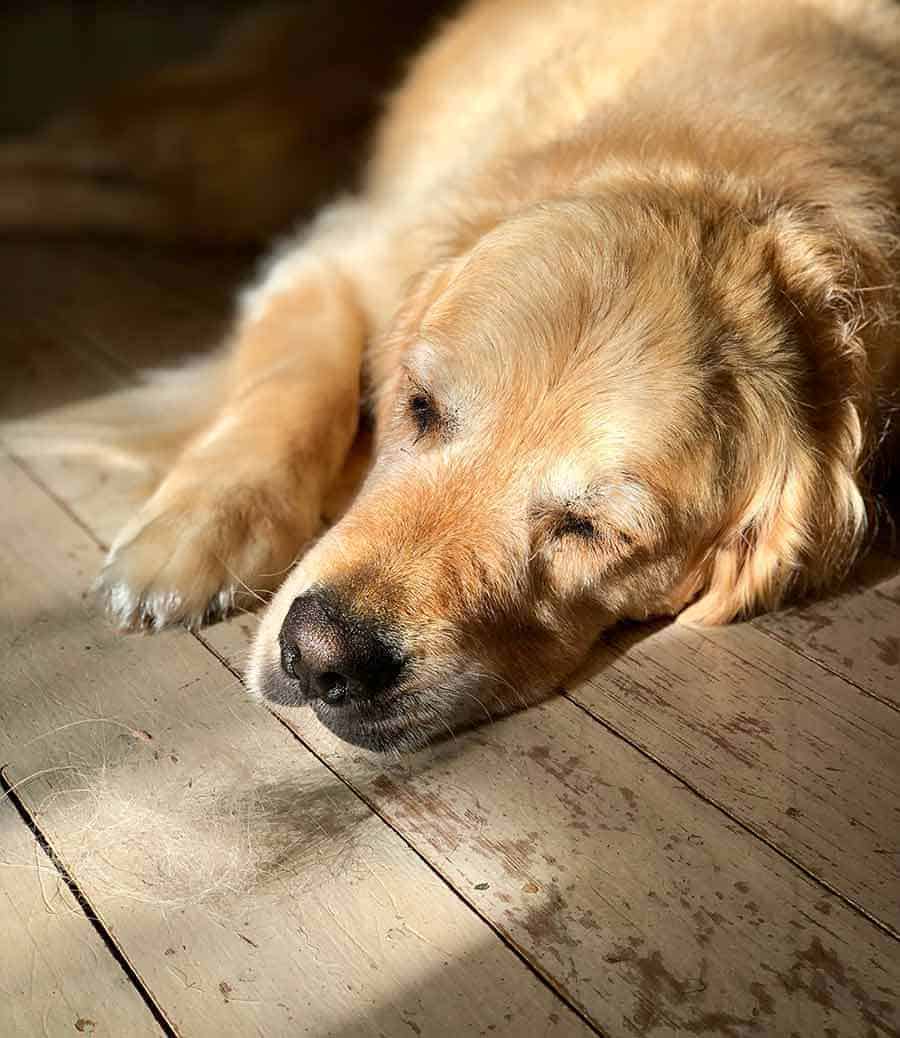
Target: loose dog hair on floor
x,y
620,292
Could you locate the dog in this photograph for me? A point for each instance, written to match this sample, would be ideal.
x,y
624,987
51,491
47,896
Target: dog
x,y
619,294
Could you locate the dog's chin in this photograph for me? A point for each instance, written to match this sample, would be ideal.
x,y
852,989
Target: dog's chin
x,y
404,722
386,729
378,733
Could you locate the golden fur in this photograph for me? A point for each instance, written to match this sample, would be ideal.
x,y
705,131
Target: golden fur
x,y
621,289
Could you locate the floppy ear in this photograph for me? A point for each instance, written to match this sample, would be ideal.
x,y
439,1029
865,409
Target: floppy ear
x,y
801,532
807,402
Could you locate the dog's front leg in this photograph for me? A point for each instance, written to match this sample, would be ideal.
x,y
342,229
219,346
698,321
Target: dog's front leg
x,y
245,495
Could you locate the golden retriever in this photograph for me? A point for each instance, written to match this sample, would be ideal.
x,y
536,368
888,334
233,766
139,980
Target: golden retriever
x,y
620,294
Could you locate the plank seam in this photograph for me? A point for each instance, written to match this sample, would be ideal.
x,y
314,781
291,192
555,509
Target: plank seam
x,y
824,666
545,978
745,826
722,809
56,499
83,347
170,1032
8,792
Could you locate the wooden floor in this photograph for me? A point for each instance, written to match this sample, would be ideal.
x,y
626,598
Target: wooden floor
x,y
701,837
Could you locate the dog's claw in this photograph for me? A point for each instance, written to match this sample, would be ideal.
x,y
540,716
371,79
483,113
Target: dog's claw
x,y
154,610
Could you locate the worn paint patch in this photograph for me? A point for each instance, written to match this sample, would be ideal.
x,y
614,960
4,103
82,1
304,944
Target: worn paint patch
x,y
888,650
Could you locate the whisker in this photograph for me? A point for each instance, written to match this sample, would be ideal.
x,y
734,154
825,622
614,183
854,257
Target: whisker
x,y
474,698
245,586
491,675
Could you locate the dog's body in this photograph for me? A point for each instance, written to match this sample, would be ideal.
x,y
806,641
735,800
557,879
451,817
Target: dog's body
x,y
621,289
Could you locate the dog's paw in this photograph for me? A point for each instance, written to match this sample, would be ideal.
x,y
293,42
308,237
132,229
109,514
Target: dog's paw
x,y
189,557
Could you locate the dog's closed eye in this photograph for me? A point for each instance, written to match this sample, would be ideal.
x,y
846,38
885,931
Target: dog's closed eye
x,y
572,525
424,412
561,526
576,528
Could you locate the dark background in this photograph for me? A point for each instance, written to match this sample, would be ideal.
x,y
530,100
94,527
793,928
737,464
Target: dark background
x,y
205,121
57,56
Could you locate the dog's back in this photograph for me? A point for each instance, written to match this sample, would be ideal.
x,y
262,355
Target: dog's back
x,y
511,76
504,76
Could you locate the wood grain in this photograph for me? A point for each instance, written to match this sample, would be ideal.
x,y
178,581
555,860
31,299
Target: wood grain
x,y
244,882
650,910
115,306
855,632
57,977
794,752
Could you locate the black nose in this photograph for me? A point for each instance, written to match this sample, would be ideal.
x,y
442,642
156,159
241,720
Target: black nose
x,y
335,654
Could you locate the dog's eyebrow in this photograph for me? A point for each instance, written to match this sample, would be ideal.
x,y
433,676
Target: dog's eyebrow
x,y
623,488
418,386
420,360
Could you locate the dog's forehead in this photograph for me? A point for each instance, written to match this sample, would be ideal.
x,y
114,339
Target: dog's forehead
x,y
624,399
539,320
513,307
552,359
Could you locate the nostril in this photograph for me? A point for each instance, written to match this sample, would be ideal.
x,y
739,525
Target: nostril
x,y
290,656
332,687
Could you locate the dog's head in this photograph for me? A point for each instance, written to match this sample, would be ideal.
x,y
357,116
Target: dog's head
x,y
597,412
